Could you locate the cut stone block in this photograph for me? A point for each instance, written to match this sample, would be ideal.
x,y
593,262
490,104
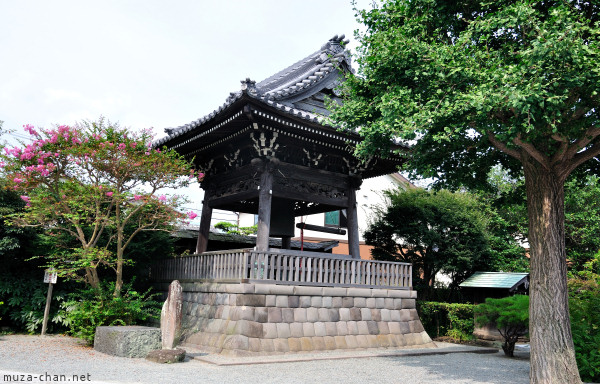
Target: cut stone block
x,y
318,343
305,301
300,315
320,329
274,315
308,329
307,344
281,301
296,330
316,301
331,328
283,330
127,341
408,303
312,315
166,356
270,331
293,301
287,315
294,344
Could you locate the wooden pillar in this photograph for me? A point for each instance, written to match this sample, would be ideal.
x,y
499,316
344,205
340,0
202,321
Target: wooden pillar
x,y
205,218
265,196
286,242
352,221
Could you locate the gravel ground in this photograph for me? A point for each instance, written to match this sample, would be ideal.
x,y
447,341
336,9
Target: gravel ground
x,y
59,355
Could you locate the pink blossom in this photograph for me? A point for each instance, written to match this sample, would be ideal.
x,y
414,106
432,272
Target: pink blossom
x,y
137,197
17,180
2,164
162,198
132,145
25,199
109,194
191,215
29,129
122,146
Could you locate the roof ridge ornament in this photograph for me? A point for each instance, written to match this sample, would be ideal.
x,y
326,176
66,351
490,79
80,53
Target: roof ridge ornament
x,y
249,86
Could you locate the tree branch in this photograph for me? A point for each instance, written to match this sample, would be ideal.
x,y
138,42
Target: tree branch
x,y
532,151
582,142
499,145
581,158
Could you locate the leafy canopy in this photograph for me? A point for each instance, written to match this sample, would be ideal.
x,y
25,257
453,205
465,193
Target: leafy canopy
x,y
91,182
456,79
440,232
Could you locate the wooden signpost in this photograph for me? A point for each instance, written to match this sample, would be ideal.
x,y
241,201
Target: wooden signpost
x,y
50,277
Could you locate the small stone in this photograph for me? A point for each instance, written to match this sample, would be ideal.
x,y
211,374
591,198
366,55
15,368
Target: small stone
x,y
166,356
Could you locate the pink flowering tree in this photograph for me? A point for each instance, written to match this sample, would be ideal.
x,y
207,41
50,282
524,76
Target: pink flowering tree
x,y
92,182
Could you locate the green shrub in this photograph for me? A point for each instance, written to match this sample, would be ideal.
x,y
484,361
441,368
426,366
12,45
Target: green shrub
x,y
233,228
509,314
445,319
88,309
584,305
24,300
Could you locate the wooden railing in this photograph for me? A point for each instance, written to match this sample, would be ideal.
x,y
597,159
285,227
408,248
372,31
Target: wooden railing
x,y
285,267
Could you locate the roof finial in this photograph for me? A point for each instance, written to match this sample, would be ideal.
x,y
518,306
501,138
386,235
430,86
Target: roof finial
x,y
249,86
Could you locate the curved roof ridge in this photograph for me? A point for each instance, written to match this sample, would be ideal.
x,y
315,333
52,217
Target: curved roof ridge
x,y
302,69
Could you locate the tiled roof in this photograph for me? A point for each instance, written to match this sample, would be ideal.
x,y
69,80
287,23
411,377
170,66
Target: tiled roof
x,y
311,74
506,280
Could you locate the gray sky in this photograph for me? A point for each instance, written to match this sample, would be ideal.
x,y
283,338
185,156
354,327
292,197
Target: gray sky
x,y
149,63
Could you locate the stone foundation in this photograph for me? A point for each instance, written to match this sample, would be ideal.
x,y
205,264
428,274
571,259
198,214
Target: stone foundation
x,y
249,319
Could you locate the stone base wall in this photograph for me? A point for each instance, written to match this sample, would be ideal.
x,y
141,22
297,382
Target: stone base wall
x,y
249,319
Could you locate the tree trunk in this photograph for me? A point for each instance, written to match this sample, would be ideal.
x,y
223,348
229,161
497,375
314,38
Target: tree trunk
x,y
552,351
91,277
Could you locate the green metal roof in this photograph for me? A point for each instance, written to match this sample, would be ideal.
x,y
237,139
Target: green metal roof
x,y
505,280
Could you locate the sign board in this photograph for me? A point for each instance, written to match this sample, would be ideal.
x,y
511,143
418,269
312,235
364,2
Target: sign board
x,y
50,276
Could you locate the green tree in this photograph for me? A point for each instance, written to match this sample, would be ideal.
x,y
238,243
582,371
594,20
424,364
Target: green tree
x,y
582,221
472,84
509,314
436,232
90,183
